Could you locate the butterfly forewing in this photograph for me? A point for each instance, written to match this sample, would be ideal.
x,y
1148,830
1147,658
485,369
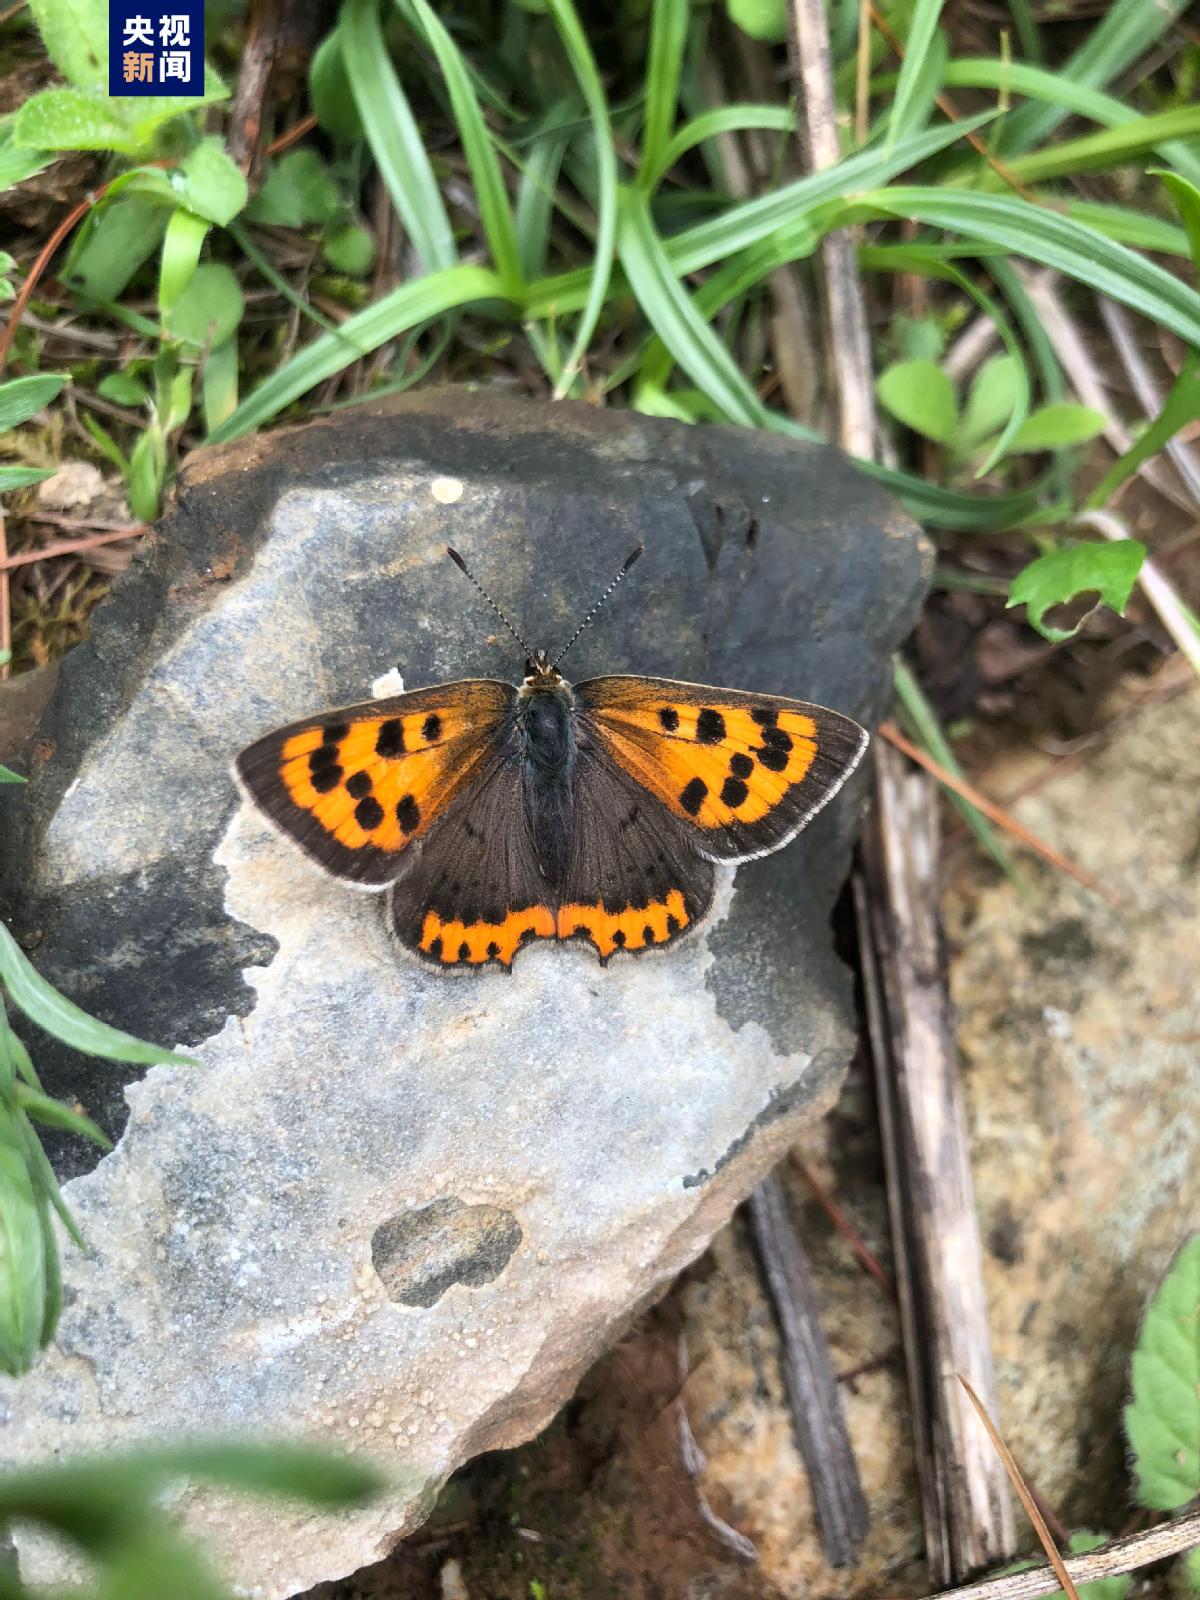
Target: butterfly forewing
x,y
743,772
354,788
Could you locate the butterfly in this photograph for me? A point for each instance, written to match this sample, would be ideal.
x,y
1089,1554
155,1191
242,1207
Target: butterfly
x,y
493,815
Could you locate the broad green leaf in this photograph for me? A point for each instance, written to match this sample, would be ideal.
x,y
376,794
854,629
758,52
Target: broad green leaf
x,y
491,195
18,162
990,403
330,92
219,393
73,119
147,473
210,184
43,1004
350,249
117,239
1182,406
22,1259
920,395
389,317
1191,1568
1109,568
6,776
393,135
123,388
761,19
210,308
20,398
298,189
1055,426
1163,1418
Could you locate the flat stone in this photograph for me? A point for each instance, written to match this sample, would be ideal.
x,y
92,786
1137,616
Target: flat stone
x,y
399,1212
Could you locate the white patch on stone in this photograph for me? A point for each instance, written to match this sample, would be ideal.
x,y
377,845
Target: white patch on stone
x,y
446,491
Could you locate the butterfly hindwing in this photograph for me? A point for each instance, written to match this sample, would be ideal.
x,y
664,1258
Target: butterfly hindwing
x,y
475,894
355,788
742,772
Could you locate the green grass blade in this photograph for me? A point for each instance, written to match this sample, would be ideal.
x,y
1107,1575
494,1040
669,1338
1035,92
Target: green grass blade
x,y
670,311
1097,152
388,318
574,42
539,179
923,721
394,137
1181,407
43,1004
724,119
1055,241
922,32
1125,32
1127,226
668,37
495,210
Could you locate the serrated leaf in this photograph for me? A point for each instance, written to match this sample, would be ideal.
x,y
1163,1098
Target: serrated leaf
x,y
43,1004
1056,426
991,401
1110,569
920,395
20,398
1163,1418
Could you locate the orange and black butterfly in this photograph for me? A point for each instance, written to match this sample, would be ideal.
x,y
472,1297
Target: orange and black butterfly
x,y
495,815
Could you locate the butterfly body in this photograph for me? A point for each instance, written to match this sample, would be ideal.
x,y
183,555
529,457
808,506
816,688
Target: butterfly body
x,y
493,814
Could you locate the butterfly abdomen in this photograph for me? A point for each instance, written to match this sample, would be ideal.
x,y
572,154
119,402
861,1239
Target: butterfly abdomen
x,y
548,759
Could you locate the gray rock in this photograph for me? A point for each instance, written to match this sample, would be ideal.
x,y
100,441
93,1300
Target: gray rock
x,y
396,1211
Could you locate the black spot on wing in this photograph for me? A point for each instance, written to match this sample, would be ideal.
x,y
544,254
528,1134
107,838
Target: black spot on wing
x,y
408,813
390,742
368,813
741,766
431,728
669,718
358,785
773,759
693,796
325,778
733,792
710,726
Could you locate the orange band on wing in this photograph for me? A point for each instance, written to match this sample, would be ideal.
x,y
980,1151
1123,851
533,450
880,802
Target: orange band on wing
x,y
657,923
473,943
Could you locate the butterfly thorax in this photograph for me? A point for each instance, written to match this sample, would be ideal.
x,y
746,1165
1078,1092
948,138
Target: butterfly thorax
x,y
546,723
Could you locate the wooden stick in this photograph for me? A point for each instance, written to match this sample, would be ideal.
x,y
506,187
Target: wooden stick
x,y
808,1376
1109,1561
966,1503
66,547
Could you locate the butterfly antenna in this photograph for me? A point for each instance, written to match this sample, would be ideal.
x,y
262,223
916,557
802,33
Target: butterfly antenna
x,y
465,569
625,566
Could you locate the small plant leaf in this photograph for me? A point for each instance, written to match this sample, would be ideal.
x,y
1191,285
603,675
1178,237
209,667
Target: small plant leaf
x,y
11,777
73,119
43,1004
210,308
1191,1570
330,93
298,190
1056,426
991,402
761,19
53,1114
1163,1418
920,395
210,184
21,398
123,388
351,250
21,477
1051,580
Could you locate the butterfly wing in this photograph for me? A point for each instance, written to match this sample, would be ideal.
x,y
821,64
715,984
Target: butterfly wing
x,y
475,894
356,788
743,773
